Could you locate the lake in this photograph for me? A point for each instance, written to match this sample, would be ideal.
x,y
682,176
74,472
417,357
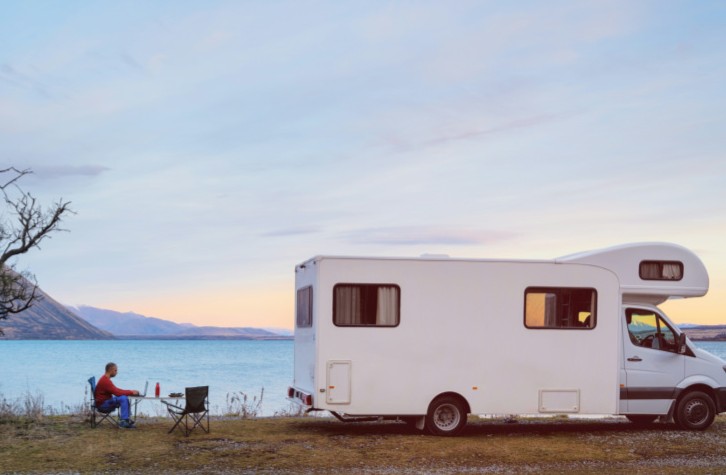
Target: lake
x,y
59,369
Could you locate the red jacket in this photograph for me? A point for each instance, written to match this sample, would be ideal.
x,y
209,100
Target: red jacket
x,y
105,389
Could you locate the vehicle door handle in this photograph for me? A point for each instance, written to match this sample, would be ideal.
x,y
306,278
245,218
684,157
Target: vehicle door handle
x,y
635,358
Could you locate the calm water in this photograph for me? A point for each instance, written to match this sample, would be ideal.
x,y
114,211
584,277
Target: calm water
x,y
718,348
59,369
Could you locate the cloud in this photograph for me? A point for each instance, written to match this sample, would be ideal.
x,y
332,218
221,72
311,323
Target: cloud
x,y
12,75
131,62
511,125
295,231
59,171
416,235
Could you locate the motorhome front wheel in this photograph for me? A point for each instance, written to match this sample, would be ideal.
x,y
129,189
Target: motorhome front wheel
x,y
695,411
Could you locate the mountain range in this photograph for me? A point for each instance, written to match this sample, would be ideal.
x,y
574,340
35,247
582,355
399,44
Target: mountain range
x,y
131,325
705,332
47,319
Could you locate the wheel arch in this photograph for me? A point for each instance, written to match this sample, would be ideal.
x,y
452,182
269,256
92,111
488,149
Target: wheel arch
x,y
467,407
697,380
700,386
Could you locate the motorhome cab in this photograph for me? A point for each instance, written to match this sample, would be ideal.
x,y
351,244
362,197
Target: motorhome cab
x,y
430,340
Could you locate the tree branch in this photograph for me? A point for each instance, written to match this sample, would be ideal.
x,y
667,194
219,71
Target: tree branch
x,y
24,228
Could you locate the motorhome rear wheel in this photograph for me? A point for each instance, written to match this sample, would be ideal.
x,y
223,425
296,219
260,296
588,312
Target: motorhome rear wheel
x,y
446,416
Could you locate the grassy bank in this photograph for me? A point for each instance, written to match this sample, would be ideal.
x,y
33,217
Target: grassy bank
x,y
66,444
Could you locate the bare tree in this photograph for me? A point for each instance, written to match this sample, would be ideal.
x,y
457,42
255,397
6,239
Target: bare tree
x,y
24,224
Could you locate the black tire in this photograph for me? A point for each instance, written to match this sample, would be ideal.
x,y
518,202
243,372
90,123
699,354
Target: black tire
x,y
695,411
641,419
446,416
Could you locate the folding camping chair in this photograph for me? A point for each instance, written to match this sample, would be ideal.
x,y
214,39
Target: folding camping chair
x,y
97,415
195,412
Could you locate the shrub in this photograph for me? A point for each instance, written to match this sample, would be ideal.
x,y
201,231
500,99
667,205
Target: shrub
x,y
292,410
30,408
239,404
9,410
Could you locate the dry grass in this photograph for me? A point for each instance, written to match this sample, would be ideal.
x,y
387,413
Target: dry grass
x,y
63,444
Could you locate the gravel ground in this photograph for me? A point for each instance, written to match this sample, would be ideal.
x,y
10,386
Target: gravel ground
x,y
693,451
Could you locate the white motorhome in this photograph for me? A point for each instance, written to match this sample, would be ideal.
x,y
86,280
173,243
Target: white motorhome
x,y
432,339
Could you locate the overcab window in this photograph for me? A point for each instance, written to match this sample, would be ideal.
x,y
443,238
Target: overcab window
x,y
304,307
560,308
661,270
356,305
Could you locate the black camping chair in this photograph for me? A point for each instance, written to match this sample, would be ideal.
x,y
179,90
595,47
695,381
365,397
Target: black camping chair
x,y
97,415
195,412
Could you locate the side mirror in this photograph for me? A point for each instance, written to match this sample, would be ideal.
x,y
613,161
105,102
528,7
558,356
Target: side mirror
x,y
682,344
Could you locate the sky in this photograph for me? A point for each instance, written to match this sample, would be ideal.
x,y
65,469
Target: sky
x,y
209,147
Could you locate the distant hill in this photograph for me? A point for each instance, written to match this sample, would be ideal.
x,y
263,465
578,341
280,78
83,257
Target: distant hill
x,y
705,332
128,323
131,325
49,320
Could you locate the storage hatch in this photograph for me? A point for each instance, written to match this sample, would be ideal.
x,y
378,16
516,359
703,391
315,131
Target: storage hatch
x,y
338,385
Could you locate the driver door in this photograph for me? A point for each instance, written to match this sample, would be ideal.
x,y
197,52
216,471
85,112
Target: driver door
x,y
653,367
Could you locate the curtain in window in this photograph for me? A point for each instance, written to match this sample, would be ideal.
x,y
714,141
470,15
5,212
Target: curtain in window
x,y
650,271
386,314
348,305
550,309
671,271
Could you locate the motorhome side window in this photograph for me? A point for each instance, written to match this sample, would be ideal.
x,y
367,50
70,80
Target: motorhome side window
x,y
304,307
661,270
560,308
356,305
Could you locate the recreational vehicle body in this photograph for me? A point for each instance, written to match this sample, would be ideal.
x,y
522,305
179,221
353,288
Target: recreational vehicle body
x,y
430,340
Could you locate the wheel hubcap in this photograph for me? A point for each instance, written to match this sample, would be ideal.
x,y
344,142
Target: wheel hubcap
x,y
447,417
696,412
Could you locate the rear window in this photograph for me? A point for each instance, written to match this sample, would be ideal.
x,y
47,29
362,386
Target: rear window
x,y
304,307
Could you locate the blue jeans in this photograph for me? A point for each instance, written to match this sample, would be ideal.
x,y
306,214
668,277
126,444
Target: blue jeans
x,y
111,404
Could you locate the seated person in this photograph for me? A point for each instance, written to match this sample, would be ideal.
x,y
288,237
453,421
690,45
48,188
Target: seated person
x,y
109,397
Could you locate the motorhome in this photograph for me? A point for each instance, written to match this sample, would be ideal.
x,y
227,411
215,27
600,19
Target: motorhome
x,y
430,340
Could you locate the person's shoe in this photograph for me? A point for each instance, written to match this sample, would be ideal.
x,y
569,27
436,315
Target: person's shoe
x,y
126,424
